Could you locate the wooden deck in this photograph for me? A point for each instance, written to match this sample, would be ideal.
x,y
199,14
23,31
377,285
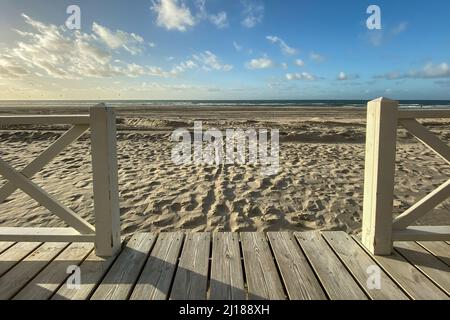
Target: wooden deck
x,y
312,265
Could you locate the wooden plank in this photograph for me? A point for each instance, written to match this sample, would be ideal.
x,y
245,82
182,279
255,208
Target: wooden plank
x,y
427,138
105,180
5,245
439,249
120,279
379,175
261,272
409,278
299,279
44,235
333,275
43,286
359,263
44,158
92,271
431,266
227,276
157,275
15,254
422,114
423,206
16,278
44,199
191,278
422,233
44,119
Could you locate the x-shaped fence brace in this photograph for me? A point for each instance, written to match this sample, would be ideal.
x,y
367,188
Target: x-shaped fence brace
x,y
440,194
106,234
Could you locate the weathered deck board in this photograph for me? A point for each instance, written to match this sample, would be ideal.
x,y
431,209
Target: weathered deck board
x,y
156,277
191,278
262,275
120,279
227,277
440,249
411,280
360,263
298,277
333,275
28,268
276,265
92,269
10,257
431,266
53,276
5,245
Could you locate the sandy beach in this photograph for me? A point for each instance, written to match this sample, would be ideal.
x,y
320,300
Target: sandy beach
x,y
319,185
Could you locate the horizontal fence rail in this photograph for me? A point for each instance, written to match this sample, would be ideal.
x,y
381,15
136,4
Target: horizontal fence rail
x,y
379,228
106,234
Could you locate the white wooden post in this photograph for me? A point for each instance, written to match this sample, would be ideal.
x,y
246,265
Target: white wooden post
x,y
381,136
105,180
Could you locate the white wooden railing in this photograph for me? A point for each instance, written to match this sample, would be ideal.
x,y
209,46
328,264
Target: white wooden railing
x,y
379,228
106,233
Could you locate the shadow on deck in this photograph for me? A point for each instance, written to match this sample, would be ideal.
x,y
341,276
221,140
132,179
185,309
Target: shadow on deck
x,y
226,266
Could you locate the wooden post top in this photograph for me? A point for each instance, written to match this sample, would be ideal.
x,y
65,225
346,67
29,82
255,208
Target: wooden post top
x,y
384,101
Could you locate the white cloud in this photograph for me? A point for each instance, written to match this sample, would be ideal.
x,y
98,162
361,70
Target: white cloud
x,y
253,13
316,57
300,76
261,63
119,39
49,50
429,71
342,76
284,47
284,65
173,16
299,62
210,61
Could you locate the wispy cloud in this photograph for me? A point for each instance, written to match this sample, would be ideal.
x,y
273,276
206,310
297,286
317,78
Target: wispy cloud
x,y
429,71
220,20
260,63
300,76
316,57
342,76
299,63
286,49
210,61
378,37
253,13
401,27
119,39
237,46
173,15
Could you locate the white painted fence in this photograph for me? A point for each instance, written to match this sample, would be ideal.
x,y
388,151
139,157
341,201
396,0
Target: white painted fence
x,y
106,233
379,227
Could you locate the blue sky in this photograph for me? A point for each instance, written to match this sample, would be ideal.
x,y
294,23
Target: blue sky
x,y
235,49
